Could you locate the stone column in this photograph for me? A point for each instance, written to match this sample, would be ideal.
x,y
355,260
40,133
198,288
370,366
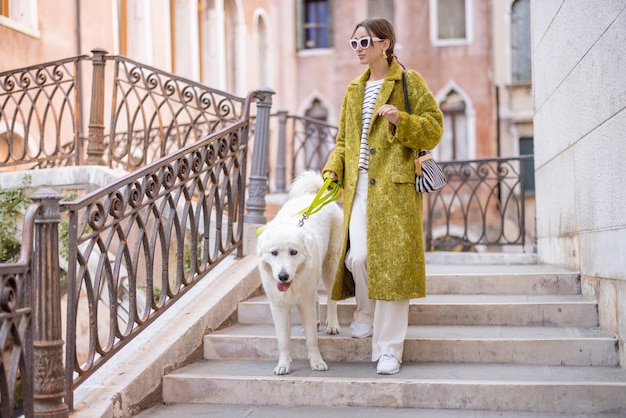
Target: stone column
x,y
281,167
259,171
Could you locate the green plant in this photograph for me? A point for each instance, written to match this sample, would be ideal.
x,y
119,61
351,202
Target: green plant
x,y
13,202
64,227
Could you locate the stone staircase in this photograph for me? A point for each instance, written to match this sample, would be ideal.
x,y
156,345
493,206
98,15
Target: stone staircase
x,y
514,339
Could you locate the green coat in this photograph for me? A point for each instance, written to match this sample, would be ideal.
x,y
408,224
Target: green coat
x,y
395,245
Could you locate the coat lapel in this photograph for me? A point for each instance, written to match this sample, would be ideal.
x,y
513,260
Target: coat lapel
x,y
393,75
357,90
383,96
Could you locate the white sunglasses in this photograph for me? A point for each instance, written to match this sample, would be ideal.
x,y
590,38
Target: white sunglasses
x,y
363,42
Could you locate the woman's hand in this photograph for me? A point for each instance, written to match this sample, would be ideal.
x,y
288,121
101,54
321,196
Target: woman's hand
x,y
330,174
390,112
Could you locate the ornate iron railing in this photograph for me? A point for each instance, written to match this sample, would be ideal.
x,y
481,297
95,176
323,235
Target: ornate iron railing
x,y
310,141
135,246
31,317
139,244
16,387
151,113
40,115
154,114
483,204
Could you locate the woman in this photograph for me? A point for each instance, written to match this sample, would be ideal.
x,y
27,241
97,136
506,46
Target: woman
x,y
382,260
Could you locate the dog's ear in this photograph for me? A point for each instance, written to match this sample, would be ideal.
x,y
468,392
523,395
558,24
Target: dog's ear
x,y
311,247
260,244
265,267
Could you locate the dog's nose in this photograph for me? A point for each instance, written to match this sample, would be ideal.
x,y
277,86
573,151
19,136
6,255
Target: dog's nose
x,y
283,276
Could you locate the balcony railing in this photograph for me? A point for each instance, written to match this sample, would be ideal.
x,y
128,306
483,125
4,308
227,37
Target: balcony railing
x,y
307,140
40,115
484,206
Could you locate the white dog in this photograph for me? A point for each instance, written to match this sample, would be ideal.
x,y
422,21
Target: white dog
x,y
293,259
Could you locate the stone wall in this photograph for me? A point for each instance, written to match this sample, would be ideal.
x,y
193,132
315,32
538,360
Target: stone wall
x,y
579,74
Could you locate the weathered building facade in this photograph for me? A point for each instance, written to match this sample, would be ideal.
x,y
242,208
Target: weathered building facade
x,y
298,48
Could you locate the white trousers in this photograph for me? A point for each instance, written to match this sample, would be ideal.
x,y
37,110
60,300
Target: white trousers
x,y
389,318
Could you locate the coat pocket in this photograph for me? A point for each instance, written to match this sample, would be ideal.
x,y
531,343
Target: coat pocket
x,y
403,176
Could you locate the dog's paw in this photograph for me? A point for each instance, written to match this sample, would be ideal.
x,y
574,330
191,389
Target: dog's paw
x,y
332,329
282,369
319,365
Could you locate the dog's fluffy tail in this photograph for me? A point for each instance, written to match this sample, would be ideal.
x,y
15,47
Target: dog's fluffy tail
x,y
309,182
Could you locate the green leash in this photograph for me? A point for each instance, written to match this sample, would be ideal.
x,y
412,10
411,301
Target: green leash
x,y
328,193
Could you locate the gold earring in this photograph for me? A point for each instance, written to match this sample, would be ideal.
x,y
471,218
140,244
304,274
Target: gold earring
x,y
384,55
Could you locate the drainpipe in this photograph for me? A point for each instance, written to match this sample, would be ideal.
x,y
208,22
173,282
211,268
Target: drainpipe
x,y
498,150
78,46
79,80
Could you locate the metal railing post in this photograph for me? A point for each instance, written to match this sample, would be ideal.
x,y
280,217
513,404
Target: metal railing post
x,y
281,167
48,384
95,147
258,172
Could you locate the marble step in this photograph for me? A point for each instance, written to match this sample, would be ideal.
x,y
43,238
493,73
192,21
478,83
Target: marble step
x,y
428,343
328,411
501,279
508,388
438,309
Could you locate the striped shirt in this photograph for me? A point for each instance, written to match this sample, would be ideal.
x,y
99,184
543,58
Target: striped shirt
x,y
369,101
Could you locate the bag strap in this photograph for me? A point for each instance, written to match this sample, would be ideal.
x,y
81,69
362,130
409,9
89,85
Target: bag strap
x,y
418,153
406,96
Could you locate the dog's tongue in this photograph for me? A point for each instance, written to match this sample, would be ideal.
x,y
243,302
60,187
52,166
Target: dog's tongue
x,y
283,286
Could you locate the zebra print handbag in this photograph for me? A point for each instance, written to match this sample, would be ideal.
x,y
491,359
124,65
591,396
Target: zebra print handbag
x,y
428,175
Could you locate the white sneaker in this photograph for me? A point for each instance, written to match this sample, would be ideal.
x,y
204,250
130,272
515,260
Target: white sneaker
x,y
361,330
388,364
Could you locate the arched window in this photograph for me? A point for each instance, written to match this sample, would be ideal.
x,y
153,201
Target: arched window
x,y
454,143
262,49
317,110
520,42
317,142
